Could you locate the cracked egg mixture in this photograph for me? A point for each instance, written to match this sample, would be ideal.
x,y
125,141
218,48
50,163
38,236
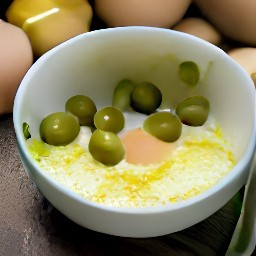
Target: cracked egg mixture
x,y
152,173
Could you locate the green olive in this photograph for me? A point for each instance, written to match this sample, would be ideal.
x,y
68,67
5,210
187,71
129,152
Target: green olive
x,y
193,110
122,94
193,115
83,108
163,125
195,100
59,129
189,73
146,98
109,119
106,147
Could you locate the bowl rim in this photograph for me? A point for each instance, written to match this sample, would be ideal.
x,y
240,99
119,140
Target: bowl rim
x,y
240,165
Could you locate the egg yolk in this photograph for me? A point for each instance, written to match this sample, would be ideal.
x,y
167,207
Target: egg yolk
x,y
143,148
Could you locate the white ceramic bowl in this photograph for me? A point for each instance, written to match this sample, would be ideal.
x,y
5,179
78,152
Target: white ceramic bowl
x,y
92,64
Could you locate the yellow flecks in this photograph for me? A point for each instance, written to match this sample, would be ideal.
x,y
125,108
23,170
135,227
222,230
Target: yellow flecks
x,y
173,200
78,151
231,157
203,145
197,162
99,197
218,132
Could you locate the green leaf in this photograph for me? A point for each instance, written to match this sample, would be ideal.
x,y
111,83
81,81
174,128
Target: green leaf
x,y
26,131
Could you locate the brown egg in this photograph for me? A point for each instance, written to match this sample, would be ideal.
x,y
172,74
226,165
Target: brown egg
x,y
235,19
245,57
155,13
200,28
15,59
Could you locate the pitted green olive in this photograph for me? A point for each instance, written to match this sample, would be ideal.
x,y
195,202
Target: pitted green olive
x,y
193,110
83,108
164,126
109,119
146,98
106,147
122,94
59,129
189,73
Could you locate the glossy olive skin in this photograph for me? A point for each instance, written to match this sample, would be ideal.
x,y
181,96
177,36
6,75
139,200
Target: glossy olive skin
x,y
146,98
193,111
109,119
83,108
122,94
189,73
194,115
59,129
163,125
106,147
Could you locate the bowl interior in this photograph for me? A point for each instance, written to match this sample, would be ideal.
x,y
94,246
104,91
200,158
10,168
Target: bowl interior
x,y
92,64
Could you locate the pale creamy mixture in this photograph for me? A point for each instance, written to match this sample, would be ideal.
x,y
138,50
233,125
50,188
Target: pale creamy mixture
x,y
200,158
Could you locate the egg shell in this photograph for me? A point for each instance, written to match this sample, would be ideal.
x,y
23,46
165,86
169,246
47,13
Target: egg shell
x,y
16,57
234,19
155,13
199,27
246,57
